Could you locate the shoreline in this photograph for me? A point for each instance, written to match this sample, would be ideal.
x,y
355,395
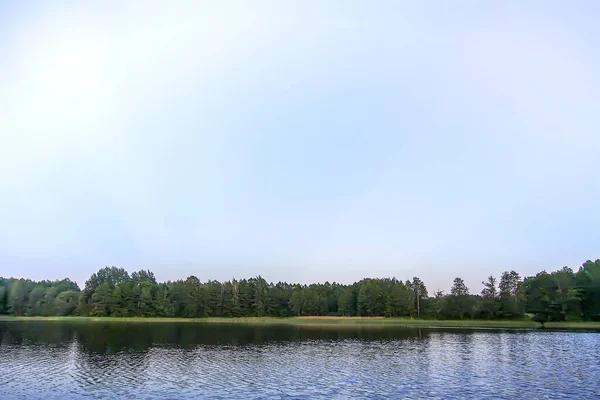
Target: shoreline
x,y
325,322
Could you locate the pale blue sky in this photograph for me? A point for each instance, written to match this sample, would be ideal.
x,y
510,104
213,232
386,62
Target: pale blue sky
x,y
303,141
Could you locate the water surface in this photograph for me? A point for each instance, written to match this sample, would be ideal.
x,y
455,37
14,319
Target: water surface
x,y
96,360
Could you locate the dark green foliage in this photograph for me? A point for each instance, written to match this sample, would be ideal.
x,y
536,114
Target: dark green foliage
x,y
563,295
541,317
3,296
371,299
26,297
102,301
18,296
141,277
346,300
489,304
557,296
511,295
66,302
112,276
588,283
459,304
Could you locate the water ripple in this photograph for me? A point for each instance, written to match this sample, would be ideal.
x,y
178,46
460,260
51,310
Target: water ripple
x,y
433,364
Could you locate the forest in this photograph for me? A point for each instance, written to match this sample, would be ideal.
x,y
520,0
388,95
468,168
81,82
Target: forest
x,y
562,295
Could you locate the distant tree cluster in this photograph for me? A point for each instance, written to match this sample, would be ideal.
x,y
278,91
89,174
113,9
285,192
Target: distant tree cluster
x,y
557,296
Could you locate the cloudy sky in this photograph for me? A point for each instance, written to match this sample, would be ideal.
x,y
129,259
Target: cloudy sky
x,y
303,141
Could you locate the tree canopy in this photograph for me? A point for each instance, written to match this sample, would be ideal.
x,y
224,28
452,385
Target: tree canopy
x,y
111,291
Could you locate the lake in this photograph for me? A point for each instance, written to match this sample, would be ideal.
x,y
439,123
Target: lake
x,y
77,360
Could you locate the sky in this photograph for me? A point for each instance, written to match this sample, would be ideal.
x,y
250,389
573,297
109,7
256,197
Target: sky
x,y
303,141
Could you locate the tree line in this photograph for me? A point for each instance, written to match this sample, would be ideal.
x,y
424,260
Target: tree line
x,y
557,296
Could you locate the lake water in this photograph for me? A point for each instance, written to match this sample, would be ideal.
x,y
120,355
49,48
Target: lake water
x,y
75,360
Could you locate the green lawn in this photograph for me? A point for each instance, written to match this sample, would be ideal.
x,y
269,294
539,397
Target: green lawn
x,y
327,321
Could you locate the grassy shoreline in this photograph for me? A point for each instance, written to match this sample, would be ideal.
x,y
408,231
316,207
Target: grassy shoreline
x,y
328,321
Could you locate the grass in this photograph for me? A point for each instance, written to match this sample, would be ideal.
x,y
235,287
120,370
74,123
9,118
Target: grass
x,y
330,322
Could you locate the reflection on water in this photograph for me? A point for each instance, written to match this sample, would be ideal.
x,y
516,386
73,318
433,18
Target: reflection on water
x,y
112,337
158,361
